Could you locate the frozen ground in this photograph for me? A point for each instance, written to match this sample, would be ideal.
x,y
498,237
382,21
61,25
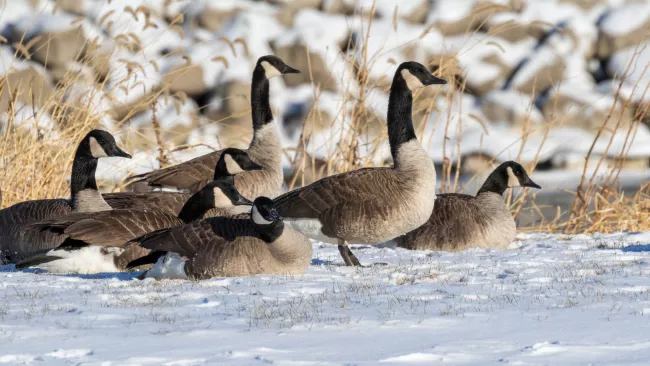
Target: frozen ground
x,y
548,300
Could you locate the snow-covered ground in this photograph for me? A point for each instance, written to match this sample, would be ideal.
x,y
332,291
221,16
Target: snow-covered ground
x,y
548,300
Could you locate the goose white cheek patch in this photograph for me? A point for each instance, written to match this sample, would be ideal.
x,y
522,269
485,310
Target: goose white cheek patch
x,y
270,71
412,82
513,181
258,218
220,199
96,150
232,166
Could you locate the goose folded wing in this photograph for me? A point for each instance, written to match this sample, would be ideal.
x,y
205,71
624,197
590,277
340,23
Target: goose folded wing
x,y
171,202
455,216
112,228
330,192
189,238
191,175
32,211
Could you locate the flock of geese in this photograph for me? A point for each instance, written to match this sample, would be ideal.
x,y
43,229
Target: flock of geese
x,y
211,228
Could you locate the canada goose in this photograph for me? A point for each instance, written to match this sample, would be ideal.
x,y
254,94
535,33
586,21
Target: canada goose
x,y
241,245
461,221
115,227
18,240
372,205
265,148
90,239
230,162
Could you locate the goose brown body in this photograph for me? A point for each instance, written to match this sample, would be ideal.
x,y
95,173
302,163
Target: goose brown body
x,y
461,221
363,206
16,241
230,247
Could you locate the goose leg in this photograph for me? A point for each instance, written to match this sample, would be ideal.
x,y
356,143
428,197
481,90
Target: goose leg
x,y
348,257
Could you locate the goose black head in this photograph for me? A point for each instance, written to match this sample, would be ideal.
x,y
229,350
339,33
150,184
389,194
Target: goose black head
x,y
234,161
220,194
517,175
416,76
264,212
274,66
223,194
508,175
100,144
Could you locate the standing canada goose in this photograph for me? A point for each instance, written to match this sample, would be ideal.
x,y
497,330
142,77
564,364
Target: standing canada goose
x,y
93,243
461,221
230,162
372,205
115,227
265,148
241,245
18,240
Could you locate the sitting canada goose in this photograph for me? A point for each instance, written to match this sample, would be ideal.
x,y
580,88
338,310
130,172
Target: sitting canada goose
x,y
230,162
372,205
115,227
461,221
18,240
93,244
241,245
265,148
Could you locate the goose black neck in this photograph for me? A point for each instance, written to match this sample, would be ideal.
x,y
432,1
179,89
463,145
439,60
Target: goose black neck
x,y
260,105
195,208
83,173
494,183
270,232
400,124
221,171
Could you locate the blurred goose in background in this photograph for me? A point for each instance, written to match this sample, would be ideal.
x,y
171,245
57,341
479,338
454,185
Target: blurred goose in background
x,y
265,148
242,245
371,205
18,240
461,221
89,236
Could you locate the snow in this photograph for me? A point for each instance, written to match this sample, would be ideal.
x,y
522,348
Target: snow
x,y
548,299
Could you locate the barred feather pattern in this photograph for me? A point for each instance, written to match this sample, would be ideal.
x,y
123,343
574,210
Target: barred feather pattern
x,y
18,240
231,246
462,221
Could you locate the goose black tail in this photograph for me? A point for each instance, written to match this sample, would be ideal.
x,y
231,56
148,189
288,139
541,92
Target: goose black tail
x,y
150,258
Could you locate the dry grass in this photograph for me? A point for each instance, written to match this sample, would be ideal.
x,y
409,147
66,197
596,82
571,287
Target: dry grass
x,y
36,165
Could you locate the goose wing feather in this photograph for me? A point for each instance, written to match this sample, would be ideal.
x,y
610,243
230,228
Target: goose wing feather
x,y
192,175
359,187
171,202
455,219
17,239
187,239
112,228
